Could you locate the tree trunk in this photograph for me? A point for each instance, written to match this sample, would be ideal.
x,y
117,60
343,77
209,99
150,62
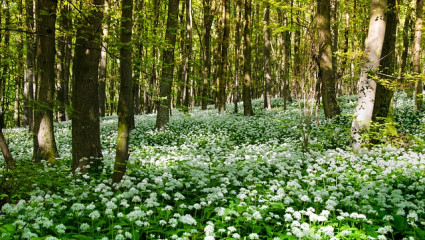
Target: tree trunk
x,y
208,20
417,55
267,51
45,147
330,103
246,91
367,85
406,43
163,115
5,151
187,70
103,63
29,67
86,148
222,68
125,102
384,93
237,49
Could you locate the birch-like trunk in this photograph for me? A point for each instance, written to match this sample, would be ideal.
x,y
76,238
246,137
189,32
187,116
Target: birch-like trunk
x,y
366,84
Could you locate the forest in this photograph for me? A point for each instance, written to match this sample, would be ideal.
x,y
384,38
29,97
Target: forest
x,y
212,119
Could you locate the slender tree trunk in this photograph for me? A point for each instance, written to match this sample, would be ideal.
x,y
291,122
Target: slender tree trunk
x,y
367,85
103,63
330,103
153,83
267,64
45,148
125,103
246,91
163,115
406,43
29,66
187,69
208,20
237,49
384,93
222,68
417,54
86,148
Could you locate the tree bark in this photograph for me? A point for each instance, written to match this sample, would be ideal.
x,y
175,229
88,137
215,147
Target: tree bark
x,y
86,148
406,42
330,103
246,91
45,147
237,49
125,102
222,68
206,73
384,92
29,66
267,64
367,85
6,152
417,55
103,63
187,69
163,115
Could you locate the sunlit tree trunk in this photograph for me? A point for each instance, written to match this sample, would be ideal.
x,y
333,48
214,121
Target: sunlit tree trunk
x,y
384,92
417,54
330,104
29,66
45,147
125,102
188,57
366,84
246,91
86,148
103,63
267,52
166,82
10,162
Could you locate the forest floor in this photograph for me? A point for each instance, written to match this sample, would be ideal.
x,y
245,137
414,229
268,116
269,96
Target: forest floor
x,y
212,176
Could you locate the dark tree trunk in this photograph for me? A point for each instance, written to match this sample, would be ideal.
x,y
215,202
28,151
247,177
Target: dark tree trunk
x,y
406,42
384,93
208,20
246,91
330,104
5,151
187,69
222,68
237,49
45,145
267,64
86,148
163,115
125,102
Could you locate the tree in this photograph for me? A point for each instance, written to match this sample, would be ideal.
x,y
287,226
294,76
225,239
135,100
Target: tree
x,y
384,92
163,115
366,84
208,5
246,91
330,104
29,66
222,68
187,69
267,51
86,148
44,139
125,103
103,63
10,163
417,54
237,48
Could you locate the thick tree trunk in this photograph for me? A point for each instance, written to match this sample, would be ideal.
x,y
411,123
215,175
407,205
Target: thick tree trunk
x,y
330,103
29,66
417,54
267,64
163,115
103,63
206,73
384,93
125,102
86,148
45,147
367,85
246,91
